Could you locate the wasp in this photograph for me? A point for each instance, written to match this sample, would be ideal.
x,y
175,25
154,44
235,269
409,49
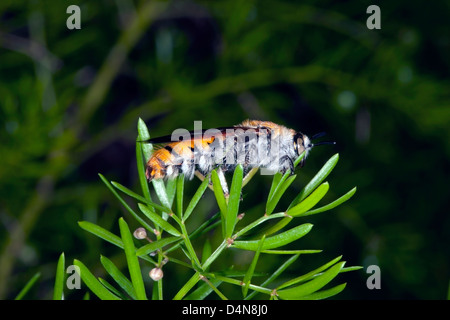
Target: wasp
x,y
252,144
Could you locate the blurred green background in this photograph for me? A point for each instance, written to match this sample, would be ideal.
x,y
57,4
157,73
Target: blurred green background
x,y
70,101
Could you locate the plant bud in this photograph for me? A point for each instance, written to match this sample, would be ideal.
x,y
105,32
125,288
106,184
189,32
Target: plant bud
x,y
156,274
140,233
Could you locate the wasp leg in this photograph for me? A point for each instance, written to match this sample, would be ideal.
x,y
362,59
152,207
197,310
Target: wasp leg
x,y
199,175
251,154
286,164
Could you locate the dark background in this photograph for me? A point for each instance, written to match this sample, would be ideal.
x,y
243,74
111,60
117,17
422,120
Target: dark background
x,y
70,101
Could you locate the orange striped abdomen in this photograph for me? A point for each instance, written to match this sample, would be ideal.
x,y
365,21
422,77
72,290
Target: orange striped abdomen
x,y
175,158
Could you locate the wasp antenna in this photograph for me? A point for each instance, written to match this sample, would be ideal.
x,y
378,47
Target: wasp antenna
x,y
318,135
324,142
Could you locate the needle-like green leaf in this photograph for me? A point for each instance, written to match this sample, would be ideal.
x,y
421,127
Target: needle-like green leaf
x,y
310,201
143,134
291,251
278,193
161,192
275,183
279,225
187,286
28,286
111,288
312,286
58,291
139,197
134,214
279,178
118,276
101,233
153,246
318,178
218,192
158,220
251,269
331,205
171,188
276,241
93,284
239,283
323,294
309,275
132,260
196,198
220,198
275,274
203,290
143,150
233,201
206,252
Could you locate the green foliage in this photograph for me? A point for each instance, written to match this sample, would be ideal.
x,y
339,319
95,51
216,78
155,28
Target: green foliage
x,y
70,100
28,286
59,278
94,284
276,241
172,235
132,261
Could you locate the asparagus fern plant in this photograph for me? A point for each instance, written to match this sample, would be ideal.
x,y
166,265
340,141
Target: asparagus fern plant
x,y
166,222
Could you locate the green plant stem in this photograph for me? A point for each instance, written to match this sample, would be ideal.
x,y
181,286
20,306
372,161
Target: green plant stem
x,y
188,286
181,263
186,240
199,231
28,286
215,254
275,274
159,283
240,283
257,222
189,246
224,243
215,289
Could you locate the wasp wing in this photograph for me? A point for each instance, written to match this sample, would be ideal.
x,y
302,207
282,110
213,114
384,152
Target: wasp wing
x,y
182,136
208,134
